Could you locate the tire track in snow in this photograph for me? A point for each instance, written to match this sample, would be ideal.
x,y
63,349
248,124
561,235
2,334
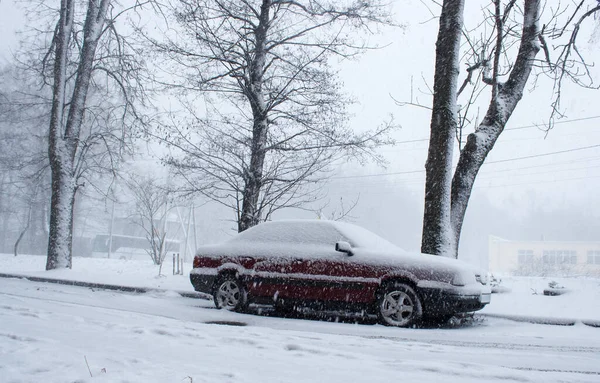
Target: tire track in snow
x,y
495,345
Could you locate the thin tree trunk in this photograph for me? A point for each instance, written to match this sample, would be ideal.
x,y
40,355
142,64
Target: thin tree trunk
x,y
502,105
437,232
3,213
251,214
16,248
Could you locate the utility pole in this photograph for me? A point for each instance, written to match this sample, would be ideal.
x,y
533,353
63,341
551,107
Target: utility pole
x,y
110,229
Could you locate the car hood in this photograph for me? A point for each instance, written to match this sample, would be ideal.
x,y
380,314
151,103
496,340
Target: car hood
x,y
422,266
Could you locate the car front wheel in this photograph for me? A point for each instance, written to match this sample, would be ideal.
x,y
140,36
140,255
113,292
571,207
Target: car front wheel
x,y
230,294
399,305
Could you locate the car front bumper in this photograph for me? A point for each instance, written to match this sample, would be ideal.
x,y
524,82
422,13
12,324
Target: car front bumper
x,y
441,302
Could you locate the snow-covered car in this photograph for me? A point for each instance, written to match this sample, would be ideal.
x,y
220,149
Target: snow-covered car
x,y
335,265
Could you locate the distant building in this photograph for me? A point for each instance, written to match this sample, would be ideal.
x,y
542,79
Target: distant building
x,y
544,258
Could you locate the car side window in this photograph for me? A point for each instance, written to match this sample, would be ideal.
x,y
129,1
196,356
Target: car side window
x,y
293,233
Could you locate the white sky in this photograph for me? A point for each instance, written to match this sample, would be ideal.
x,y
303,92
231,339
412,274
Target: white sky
x,y
561,181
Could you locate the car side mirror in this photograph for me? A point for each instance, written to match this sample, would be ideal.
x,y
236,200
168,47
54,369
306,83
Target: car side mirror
x,y
344,247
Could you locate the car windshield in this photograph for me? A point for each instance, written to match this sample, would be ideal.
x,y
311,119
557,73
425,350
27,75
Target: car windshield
x,y
363,238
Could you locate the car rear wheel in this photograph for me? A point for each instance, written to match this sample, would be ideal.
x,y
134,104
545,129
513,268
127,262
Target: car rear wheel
x,y
230,294
399,305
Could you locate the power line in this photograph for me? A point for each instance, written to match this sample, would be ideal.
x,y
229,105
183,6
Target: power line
x,y
542,155
586,159
377,174
555,123
485,163
484,174
517,127
533,182
479,186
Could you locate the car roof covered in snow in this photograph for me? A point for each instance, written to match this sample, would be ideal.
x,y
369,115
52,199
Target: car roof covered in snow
x,y
313,232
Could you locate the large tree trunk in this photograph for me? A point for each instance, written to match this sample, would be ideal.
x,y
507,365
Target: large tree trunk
x,y
251,213
437,232
63,142
504,100
60,236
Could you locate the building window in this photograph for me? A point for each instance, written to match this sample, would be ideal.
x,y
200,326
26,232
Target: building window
x,y
525,257
593,257
559,257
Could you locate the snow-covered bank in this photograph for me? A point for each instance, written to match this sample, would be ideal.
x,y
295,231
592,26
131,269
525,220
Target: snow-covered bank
x,y
134,273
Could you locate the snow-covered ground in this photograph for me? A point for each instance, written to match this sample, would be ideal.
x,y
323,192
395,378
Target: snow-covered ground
x,y
526,298
48,331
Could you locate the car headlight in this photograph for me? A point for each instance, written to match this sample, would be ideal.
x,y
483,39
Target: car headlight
x,y
464,277
459,280
481,278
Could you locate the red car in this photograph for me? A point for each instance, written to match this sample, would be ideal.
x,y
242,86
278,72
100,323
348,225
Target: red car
x,y
337,265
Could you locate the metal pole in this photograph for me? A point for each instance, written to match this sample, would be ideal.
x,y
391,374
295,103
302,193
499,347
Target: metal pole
x,y
185,234
186,248
195,227
110,230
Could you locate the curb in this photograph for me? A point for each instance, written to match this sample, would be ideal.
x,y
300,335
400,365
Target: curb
x,y
545,320
105,286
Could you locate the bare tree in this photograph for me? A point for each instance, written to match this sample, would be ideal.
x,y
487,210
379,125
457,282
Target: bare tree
x,y
151,206
275,115
90,73
23,164
503,61
341,212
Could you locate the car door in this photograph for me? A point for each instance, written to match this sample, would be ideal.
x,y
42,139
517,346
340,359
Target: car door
x,y
279,276
335,276
291,270
307,267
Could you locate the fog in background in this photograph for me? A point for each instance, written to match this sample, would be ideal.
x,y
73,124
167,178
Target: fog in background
x,y
535,185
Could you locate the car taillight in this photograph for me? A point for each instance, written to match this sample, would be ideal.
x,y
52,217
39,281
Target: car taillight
x,y
196,261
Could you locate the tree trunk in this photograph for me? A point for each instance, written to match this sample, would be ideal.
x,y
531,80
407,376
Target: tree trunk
x,y
63,144
251,213
60,238
3,214
61,211
501,107
16,248
437,232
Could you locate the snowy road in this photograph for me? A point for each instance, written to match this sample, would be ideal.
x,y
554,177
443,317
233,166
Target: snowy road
x,y
47,330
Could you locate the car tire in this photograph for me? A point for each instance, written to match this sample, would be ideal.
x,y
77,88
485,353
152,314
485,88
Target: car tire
x,y
230,294
399,305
